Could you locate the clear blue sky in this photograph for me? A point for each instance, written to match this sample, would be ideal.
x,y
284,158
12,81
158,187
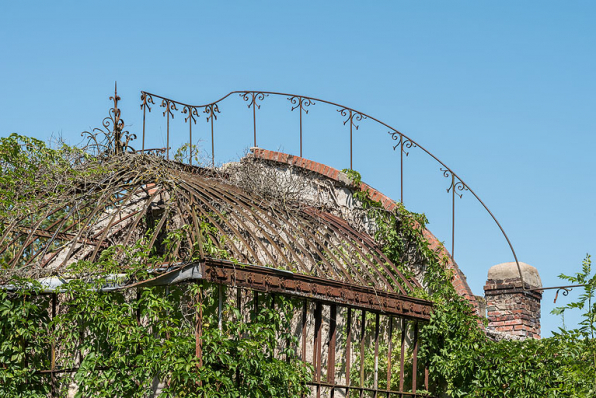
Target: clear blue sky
x,y
502,92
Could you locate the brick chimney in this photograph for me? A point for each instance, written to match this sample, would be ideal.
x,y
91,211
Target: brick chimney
x,y
510,310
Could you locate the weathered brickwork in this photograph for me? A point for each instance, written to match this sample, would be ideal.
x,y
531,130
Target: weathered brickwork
x,y
511,310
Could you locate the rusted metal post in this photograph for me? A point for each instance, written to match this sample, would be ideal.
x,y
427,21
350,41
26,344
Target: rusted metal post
x,y
239,301
212,145
404,331
219,306
190,136
170,106
453,216
254,117
210,110
144,105
415,358
331,347
199,326
362,341
389,353
348,349
199,329
53,348
304,313
401,167
318,346
168,136
376,375
350,121
300,106
239,307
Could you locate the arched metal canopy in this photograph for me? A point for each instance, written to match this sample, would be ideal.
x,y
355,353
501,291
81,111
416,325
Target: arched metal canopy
x,y
187,214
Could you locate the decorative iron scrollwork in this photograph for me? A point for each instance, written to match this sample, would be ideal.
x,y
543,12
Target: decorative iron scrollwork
x,y
402,142
456,185
211,111
193,113
114,140
565,290
170,106
301,103
351,116
253,97
147,99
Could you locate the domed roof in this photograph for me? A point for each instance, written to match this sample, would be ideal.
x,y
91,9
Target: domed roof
x,y
132,204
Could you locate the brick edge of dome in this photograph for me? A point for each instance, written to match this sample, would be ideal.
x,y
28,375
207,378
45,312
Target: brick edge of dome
x,y
459,280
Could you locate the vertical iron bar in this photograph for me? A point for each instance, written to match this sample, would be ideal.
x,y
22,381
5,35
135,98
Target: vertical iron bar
x,y
53,348
415,357
168,132
376,376
239,307
239,301
404,330
348,349
219,306
350,120
452,216
426,377
190,133
212,140
401,167
332,342
300,108
254,117
144,110
362,335
256,302
317,347
199,327
304,313
389,353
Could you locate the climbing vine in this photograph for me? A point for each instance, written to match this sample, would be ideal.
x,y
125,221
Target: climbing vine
x,y
462,360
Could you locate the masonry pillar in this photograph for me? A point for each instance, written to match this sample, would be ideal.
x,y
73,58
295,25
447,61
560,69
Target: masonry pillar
x,y
511,310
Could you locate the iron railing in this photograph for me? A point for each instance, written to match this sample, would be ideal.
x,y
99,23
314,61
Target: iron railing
x,y
350,118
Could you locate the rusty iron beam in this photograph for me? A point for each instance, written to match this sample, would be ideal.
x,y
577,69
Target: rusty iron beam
x,y
326,291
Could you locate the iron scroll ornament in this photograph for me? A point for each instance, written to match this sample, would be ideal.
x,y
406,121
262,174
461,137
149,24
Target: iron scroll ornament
x,y
301,103
193,113
147,99
456,185
352,116
402,141
211,111
252,97
114,140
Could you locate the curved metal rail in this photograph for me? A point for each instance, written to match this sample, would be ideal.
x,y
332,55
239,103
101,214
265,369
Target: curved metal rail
x,y
302,102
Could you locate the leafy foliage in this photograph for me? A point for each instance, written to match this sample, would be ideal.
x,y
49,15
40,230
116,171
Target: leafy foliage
x,y
124,346
462,361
